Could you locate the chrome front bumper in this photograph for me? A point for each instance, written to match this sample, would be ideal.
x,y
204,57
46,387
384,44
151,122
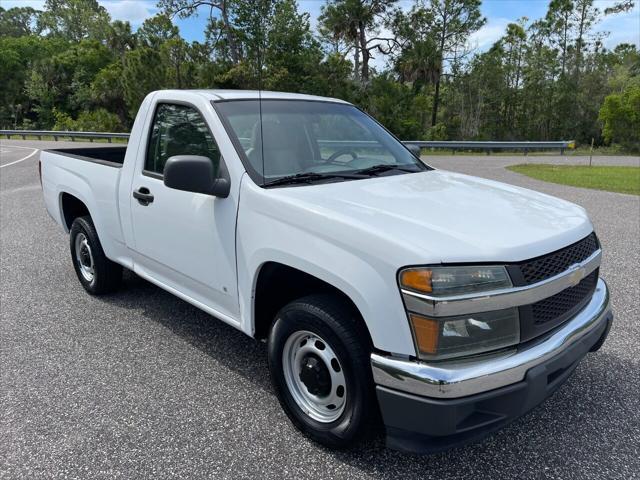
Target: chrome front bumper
x,y
461,378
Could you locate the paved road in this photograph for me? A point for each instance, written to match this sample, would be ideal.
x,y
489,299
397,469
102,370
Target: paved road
x,y
141,384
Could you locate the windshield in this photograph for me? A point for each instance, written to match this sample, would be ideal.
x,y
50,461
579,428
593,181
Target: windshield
x,y
312,140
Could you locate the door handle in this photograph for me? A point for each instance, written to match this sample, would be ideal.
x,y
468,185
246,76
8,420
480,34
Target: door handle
x,y
143,195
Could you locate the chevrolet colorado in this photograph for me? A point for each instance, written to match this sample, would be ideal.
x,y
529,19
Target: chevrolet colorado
x,y
444,304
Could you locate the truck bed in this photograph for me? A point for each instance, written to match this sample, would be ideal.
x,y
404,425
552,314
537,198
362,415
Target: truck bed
x,y
92,176
110,156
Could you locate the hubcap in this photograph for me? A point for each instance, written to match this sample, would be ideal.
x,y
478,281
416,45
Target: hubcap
x,y
314,376
84,257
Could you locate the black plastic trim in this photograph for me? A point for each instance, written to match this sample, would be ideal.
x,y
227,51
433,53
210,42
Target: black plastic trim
x,y
150,174
427,425
77,153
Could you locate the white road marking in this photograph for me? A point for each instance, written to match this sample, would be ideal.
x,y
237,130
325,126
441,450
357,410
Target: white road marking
x,y
4,145
35,150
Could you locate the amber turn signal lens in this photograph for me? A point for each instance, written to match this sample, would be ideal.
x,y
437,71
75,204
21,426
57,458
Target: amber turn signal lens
x,y
426,331
419,280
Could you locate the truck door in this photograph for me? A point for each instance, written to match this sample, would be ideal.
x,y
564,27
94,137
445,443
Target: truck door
x,y
184,241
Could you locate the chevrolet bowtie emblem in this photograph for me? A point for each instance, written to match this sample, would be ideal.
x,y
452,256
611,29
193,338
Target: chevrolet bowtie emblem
x,y
577,275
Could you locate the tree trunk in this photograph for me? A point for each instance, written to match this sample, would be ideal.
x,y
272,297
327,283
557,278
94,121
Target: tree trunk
x,y
436,99
436,94
231,37
583,15
364,76
564,41
356,60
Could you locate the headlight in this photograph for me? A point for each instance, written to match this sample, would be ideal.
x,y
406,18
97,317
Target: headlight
x,y
449,281
439,337
447,337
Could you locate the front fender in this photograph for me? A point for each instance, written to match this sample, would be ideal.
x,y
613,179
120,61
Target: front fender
x,y
368,280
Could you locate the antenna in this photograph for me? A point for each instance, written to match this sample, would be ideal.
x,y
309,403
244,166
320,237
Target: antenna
x,y
260,46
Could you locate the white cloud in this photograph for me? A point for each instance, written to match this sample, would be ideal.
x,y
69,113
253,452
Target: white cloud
x,y
622,28
489,33
134,11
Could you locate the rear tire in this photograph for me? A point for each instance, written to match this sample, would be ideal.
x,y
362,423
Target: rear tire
x,y
97,274
319,359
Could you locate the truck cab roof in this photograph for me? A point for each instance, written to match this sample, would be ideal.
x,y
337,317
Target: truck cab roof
x,y
221,95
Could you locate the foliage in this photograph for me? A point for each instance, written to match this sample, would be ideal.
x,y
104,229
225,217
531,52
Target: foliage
x,y
99,120
74,20
611,178
620,115
410,64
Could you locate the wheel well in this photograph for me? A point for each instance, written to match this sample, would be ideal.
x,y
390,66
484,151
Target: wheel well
x,y
72,208
280,284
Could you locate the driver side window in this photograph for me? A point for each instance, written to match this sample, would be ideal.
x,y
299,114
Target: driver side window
x,y
178,130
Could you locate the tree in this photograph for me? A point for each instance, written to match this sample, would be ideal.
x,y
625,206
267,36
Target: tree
x,y
74,20
142,73
547,79
63,80
416,60
107,91
99,120
175,53
453,22
585,16
292,54
560,21
120,38
620,114
358,22
156,30
18,21
187,8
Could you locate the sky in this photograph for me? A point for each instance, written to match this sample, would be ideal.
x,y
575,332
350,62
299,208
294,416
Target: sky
x,y
622,28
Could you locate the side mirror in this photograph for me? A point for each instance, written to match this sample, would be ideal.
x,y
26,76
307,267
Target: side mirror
x,y
415,149
194,173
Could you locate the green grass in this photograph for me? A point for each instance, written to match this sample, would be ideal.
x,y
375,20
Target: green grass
x,y
612,179
581,151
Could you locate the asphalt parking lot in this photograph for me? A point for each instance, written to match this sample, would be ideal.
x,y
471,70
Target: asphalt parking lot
x,y
140,384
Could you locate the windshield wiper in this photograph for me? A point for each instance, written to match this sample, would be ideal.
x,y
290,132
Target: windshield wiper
x,y
309,177
385,167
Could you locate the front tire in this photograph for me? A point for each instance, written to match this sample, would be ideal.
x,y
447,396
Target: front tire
x,y
97,274
319,359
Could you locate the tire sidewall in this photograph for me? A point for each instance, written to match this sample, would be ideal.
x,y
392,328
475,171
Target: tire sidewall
x,y
80,225
343,431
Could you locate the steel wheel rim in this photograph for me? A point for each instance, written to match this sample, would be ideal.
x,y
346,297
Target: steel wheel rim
x,y
301,347
84,257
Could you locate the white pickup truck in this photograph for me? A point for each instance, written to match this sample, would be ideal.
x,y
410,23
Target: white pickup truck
x,y
444,304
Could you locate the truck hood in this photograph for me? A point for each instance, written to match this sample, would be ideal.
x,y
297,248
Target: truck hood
x,y
441,216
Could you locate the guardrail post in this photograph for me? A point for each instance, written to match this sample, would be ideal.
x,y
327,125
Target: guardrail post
x,y
73,139
55,138
91,139
561,151
24,137
109,139
526,151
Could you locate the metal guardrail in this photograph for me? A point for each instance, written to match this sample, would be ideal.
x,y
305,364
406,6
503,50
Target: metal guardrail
x,y
62,134
452,145
490,146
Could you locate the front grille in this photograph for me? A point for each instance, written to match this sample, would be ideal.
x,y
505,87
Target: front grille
x,y
541,317
565,304
552,264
